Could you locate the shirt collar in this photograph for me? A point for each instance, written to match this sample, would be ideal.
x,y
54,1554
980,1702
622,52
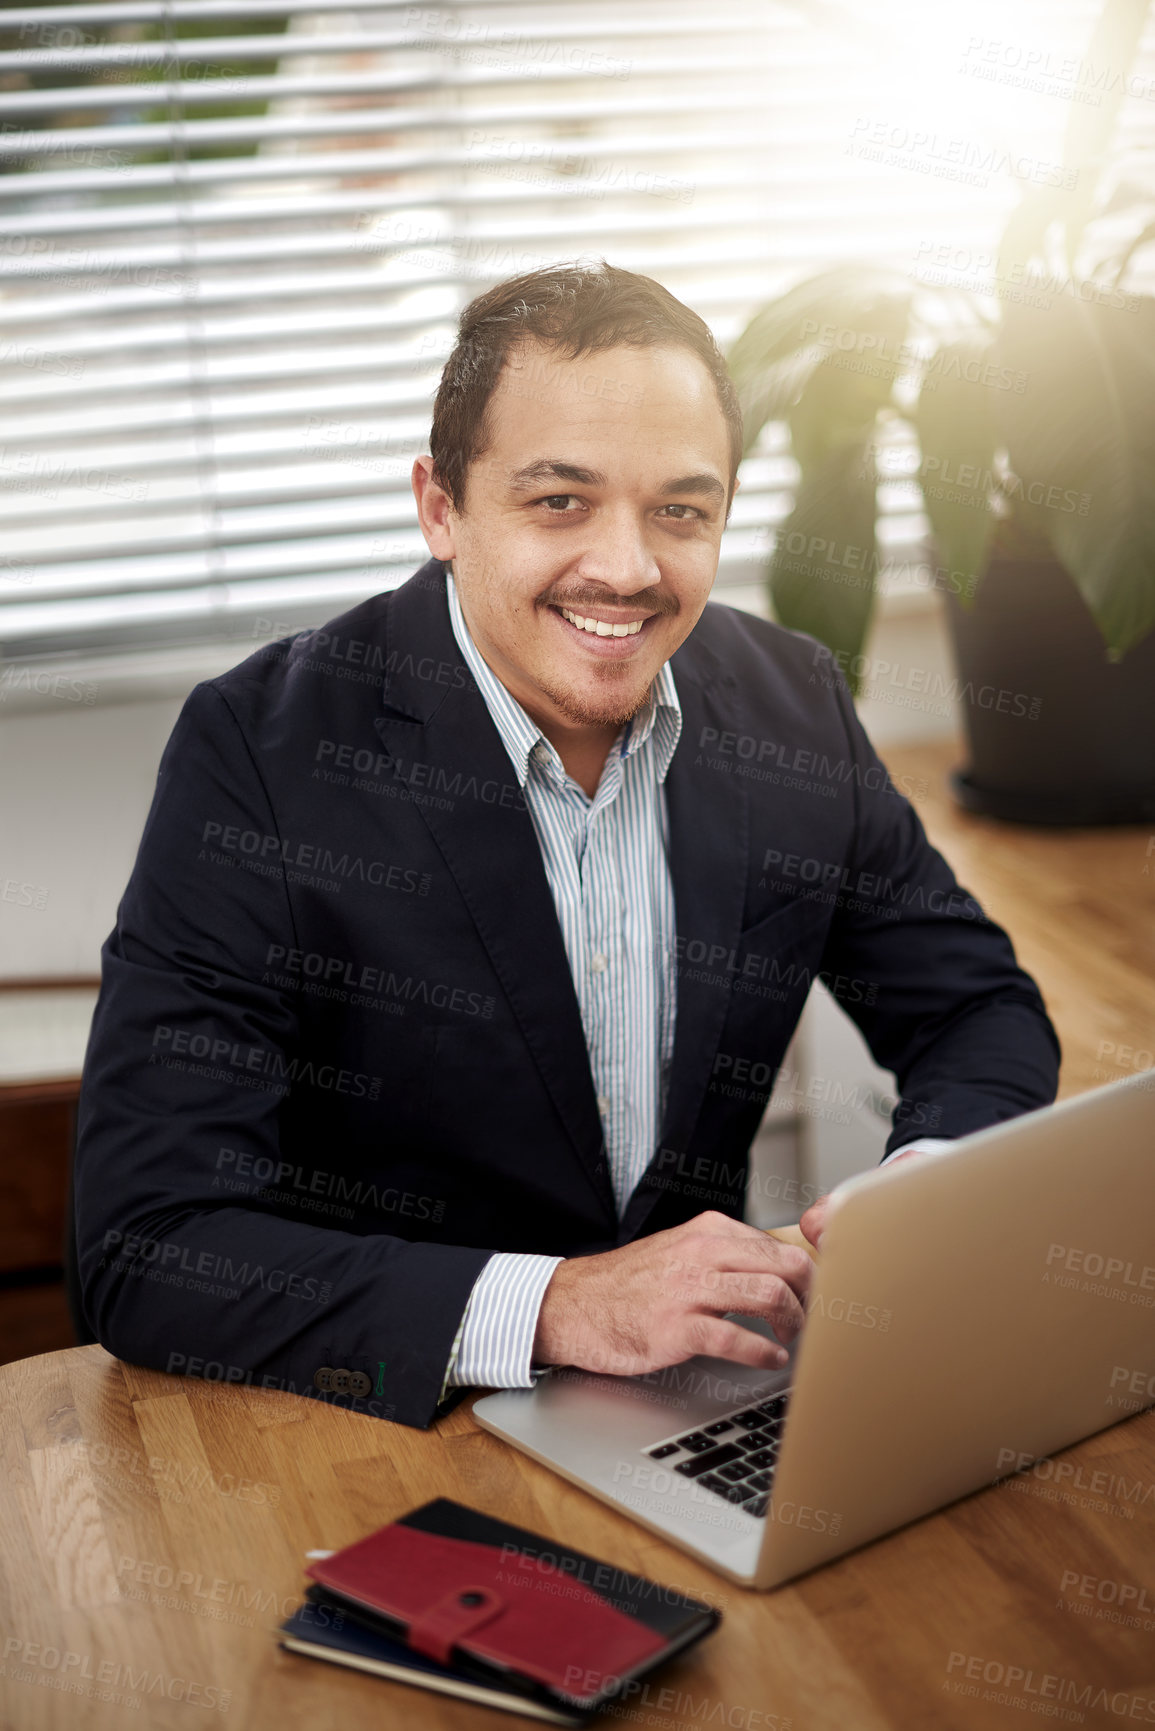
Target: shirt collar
x,y
660,715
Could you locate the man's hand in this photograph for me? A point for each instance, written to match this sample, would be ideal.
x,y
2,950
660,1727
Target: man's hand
x,y
813,1222
662,1299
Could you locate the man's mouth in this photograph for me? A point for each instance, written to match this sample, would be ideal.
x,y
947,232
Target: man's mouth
x,y
602,627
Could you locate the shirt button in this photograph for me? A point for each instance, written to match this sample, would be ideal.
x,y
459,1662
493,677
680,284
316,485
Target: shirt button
x,y
598,963
603,1104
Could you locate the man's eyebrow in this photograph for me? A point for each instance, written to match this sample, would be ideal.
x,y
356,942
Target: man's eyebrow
x,y
704,484
554,469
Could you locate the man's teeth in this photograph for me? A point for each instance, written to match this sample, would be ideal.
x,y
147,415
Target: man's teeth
x,y
601,627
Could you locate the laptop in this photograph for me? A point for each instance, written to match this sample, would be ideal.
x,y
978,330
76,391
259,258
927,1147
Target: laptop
x,y
971,1314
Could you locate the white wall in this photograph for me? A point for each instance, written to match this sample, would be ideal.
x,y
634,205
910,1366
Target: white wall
x,y
75,787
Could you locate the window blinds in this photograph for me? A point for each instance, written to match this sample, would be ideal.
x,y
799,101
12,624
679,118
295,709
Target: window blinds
x,y
234,240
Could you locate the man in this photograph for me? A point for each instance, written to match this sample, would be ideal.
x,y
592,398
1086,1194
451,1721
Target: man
x,y
452,919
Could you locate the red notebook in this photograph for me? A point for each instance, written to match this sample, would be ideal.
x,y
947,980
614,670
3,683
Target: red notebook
x,y
509,1607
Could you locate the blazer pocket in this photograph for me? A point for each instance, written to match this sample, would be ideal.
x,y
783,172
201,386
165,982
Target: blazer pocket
x,y
800,920
776,961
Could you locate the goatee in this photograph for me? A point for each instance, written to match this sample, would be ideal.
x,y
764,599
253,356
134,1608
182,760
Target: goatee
x,y
614,711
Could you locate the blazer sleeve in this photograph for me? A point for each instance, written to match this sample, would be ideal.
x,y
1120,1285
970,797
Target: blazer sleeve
x,y
174,1273
931,981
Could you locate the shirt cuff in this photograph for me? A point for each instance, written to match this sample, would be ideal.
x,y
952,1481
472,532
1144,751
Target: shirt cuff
x,y
494,1344
923,1145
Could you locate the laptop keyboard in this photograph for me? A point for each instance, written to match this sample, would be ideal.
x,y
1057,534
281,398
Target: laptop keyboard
x,y
733,1457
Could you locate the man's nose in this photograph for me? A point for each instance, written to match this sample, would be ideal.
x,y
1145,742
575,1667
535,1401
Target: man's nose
x,y
618,554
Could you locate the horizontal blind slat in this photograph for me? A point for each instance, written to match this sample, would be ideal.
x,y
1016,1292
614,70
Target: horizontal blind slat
x,y
110,12
194,92
126,180
281,45
287,128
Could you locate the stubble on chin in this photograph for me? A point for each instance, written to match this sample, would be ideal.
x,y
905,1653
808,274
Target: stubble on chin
x,y
614,709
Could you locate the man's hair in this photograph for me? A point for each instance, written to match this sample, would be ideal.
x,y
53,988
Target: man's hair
x,y
574,309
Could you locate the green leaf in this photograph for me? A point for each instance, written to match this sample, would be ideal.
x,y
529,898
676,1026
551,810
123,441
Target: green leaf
x,y
768,396
823,568
1081,444
956,431
771,361
839,404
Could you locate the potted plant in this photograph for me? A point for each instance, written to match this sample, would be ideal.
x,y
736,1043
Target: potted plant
x,y
1032,408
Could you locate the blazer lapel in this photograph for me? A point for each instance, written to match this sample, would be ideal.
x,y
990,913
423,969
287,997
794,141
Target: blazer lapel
x,y
435,726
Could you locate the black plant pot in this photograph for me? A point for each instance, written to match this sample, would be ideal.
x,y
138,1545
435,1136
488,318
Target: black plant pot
x,y
1057,733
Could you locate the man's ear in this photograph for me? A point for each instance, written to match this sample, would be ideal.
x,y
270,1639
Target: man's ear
x,y
434,509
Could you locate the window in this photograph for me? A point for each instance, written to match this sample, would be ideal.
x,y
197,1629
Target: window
x,y
234,240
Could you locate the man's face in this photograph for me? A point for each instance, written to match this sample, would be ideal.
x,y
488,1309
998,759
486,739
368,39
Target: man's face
x,y
589,539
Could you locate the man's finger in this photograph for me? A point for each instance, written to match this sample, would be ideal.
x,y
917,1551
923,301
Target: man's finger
x,y
791,1235
762,1295
714,1338
813,1222
767,1254
711,1258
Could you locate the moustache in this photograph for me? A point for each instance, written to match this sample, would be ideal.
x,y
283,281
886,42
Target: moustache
x,y
648,600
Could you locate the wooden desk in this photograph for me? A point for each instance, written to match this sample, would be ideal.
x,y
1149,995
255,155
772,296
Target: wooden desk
x,y
157,1527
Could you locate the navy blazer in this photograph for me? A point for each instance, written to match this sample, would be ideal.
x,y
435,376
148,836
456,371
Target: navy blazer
x,y
337,1058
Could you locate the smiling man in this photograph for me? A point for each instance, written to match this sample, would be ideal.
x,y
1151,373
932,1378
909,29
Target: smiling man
x,y
458,923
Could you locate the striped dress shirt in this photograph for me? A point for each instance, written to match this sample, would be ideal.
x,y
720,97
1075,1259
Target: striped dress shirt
x,y
606,861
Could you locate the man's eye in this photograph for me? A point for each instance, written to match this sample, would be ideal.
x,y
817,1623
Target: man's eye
x,y
686,512
558,501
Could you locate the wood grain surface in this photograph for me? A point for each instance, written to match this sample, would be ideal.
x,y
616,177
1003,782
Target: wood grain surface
x,y
155,1533
155,1529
